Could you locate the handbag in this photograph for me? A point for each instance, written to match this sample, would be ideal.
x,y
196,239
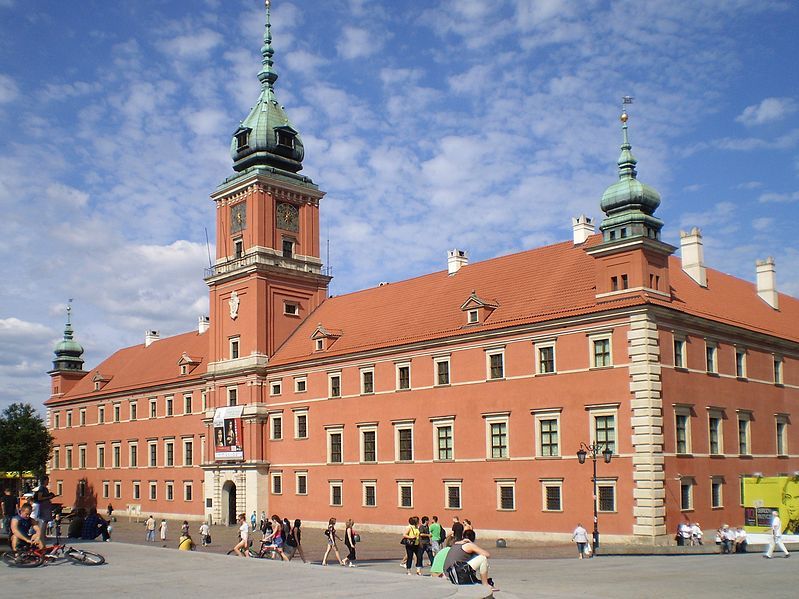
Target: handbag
x,y
462,573
406,541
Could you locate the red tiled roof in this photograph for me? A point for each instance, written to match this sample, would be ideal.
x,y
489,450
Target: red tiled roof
x,y
139,366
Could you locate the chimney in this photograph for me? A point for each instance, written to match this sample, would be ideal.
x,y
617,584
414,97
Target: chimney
x,y
582,228
767,282
693,256
203,324
456,259
149,337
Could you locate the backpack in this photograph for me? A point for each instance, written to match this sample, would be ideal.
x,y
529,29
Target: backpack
x,y
462,573
442,535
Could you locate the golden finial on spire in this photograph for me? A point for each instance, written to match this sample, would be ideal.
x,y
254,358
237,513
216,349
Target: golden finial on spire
x,y
624,101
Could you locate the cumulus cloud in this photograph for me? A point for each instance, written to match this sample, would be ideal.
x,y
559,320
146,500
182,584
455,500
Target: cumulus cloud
x,y
779,198
193,46
8,89
358,43
767,111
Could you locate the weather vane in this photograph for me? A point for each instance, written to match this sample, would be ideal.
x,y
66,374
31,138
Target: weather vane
x,y
624,101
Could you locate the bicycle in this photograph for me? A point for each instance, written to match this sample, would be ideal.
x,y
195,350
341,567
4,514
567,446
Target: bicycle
x,y
267,551
32,557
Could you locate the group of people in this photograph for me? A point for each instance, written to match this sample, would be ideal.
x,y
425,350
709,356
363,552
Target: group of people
x,y
279,535
731,539
689,534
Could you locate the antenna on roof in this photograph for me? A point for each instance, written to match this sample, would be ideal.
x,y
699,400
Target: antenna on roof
x,y
208,247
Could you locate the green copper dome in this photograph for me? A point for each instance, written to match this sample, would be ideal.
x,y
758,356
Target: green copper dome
x,y
266,136
68,352
629,205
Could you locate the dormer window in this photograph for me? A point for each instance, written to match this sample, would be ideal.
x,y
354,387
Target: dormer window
x,y
242,139
323,337
474,316
477,309
96,385
320,344
285,139
184,369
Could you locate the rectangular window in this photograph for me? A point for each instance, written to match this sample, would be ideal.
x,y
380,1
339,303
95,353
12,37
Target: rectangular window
x,y
117,489
106,489
69,418
452,494
116,455
546,358
101,456
548,425
740,363
82,417
679,353
187,407
188,491
69,458
153,408
552,496
277,483
57,420
56,459
188,452
601,352
170,454
473,316
133,410
367,381
275,388
291,309
170,410
404,444
369,445
301,483
605,431
335,385
782,435
444,441
101,415
238,248
682,430
710,358
153,490
369,494
405,494
134,455
82,456
714,434
234,347
116,412
288,248
170,491
336,493
506,495
496,365
59,487
136,489
716,499
743,435
606,498
300,385
403,376
153,455
442,371
334,447
232,396
778,362
686,495
276,427
301,425
498,439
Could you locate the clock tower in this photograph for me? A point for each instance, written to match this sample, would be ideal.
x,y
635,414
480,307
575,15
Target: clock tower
x,y
267,276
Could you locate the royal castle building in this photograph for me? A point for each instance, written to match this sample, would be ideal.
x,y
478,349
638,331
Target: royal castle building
x,y
463,392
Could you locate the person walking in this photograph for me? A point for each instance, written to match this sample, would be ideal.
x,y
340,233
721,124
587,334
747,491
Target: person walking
x,y
435,535
184,529
149,526
296,537
425,540
205,534
332,538
410,539
43,503
457,529
244,537
776,536
349,542
253,520
580,536
163,529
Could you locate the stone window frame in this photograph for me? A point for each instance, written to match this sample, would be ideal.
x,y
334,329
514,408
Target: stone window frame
x,y
721,415
450,483
398,367
133,449
232,394
405,483
56,458
547,414
538,347
188,490
298,474
711,357
372,484
169,490
106,489
336,484
604,410
150,462
501,483
273,418
297,413
275,387
688,482
153,413
300,384
602,482
117,489
153,490
329,432
683,411
363,371
403,425
136,490
100,446
716,480
778,366
551,483
234,347
82,417
275,481
367,427
781,421
748,417
442,359
116,454
680,341
133,410
438,423
188,443
595,338
491,419
169,452
188,402
741,373
334,390
490,354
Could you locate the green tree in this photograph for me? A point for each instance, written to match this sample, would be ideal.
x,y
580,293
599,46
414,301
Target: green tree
x,y
25,442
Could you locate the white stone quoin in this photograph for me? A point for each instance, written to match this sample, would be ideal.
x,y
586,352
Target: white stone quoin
x,y
150,336
693,256
456,259
582,228
767,282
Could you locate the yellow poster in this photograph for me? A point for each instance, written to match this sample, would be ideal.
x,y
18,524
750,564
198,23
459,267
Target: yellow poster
x,y
762,495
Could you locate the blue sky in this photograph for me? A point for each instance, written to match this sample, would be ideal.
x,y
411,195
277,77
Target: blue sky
x,y
431,125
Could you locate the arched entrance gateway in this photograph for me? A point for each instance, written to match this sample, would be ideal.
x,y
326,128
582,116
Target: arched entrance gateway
x,y
229,503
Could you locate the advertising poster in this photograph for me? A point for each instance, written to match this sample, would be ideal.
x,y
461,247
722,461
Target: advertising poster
x,y
772,493
228,437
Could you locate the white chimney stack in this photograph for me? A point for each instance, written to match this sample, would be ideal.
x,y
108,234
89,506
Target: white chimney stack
x,y
582,228
456,259
149,337
767,282
693,256
203,324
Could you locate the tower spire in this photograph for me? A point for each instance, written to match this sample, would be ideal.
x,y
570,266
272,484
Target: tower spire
x,y
627,161
267,76
68,352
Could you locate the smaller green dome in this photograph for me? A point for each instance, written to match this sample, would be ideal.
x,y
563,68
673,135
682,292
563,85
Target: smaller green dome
x,y
68,352
628,193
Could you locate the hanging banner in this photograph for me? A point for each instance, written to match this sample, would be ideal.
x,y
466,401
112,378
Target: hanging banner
x,y
772,493
228,437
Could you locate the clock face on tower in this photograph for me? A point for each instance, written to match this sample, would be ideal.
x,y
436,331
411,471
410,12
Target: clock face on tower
x,y
288,217
238,217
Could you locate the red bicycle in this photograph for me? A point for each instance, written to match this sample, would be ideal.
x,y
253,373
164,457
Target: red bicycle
x,y
31,557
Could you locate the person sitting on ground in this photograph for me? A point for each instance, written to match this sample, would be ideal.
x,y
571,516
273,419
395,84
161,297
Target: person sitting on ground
x,y
95,525
727,539
186,543
25,530
740,540
466,551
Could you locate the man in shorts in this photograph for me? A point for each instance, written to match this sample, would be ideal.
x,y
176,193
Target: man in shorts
x,y
25,530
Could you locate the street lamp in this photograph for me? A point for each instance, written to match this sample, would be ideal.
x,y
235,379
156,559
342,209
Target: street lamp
x,y
594,450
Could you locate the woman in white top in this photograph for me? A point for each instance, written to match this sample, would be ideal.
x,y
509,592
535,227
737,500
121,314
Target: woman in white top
x,y
244,533
580,536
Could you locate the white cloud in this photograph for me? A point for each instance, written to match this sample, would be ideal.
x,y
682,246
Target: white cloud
x,y
749,185
358,43
8,89
778,198
193,46
768,111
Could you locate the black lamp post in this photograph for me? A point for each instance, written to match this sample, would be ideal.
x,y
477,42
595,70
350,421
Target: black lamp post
x,y
594,450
